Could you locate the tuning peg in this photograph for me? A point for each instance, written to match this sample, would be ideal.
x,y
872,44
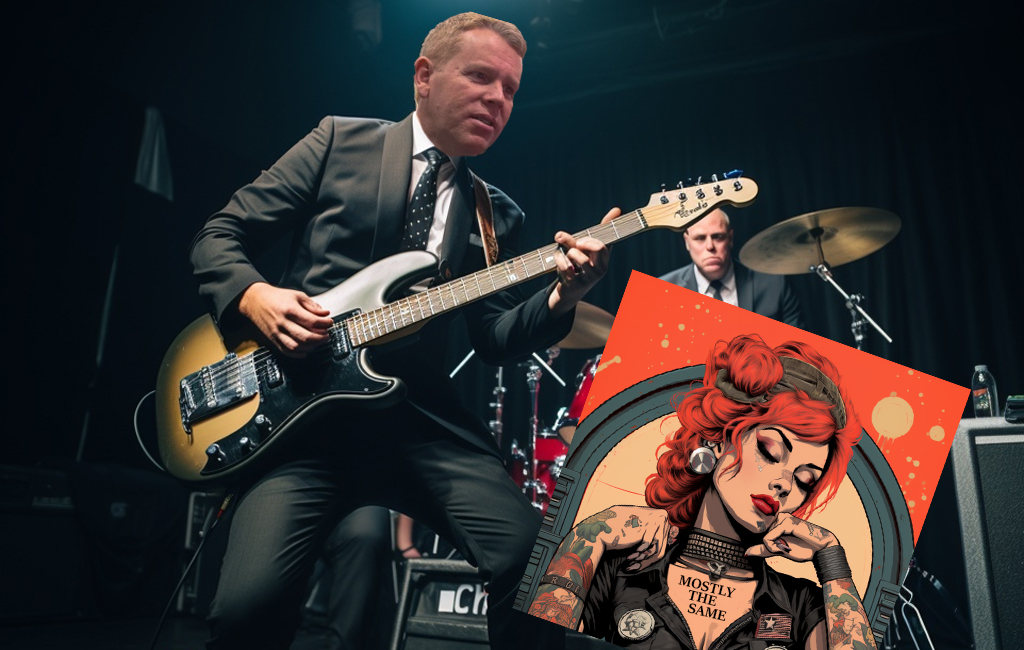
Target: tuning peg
x,y
662,187
679,185
736,173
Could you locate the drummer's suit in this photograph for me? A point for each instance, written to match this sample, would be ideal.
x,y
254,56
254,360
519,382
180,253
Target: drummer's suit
x,y
761,293
340,196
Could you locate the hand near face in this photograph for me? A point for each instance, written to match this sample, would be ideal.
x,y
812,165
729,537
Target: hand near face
x,y
584,262
645,530
794,538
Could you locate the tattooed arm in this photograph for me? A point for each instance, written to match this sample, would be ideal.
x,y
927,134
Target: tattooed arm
x,y
846,624
846,618
619,527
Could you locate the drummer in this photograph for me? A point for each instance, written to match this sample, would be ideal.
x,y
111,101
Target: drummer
x,y
713,272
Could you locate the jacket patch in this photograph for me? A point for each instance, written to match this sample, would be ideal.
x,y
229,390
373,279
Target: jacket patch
x,y
774,626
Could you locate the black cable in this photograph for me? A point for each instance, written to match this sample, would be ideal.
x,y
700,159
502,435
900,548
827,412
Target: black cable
x,y
207,529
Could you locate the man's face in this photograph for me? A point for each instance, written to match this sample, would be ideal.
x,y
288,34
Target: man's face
x,y
709,243
465,102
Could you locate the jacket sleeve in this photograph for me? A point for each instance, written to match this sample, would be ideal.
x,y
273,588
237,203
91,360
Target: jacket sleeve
x,y
258,214
791,314
510,325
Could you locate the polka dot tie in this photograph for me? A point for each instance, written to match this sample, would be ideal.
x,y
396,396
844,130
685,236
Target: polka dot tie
x,y
420,215
716,289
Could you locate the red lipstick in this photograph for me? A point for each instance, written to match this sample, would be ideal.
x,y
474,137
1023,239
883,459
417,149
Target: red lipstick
x,y
765,503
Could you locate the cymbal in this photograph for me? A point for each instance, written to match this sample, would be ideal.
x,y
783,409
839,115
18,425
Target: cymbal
x,y
846,234
590,329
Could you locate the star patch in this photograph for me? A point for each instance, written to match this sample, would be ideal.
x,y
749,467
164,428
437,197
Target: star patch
x,y
636,625
774,626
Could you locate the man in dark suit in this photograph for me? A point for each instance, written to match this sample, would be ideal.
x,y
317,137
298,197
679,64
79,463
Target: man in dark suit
x,y
714,272
340,195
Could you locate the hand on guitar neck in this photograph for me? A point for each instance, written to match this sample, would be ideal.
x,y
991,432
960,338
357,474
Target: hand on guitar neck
x,y
292,321
583,264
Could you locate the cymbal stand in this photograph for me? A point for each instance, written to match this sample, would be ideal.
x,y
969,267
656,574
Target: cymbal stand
x,y
532,487
498,405
824,271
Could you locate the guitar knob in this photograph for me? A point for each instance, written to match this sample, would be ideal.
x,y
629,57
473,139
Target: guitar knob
x,y
247,444
263,422
215,453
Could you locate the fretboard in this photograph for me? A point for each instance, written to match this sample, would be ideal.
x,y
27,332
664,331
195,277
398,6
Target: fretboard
x,y
370,325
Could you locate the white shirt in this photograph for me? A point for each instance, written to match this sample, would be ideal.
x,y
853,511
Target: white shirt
x,y
728,281
445,184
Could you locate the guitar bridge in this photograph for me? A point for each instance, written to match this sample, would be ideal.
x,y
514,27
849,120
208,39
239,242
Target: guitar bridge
x,y
215,387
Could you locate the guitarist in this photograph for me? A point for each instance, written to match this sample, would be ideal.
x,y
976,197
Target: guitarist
x,y
340,196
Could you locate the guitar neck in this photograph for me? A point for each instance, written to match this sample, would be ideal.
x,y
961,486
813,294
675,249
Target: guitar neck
x,y
371,325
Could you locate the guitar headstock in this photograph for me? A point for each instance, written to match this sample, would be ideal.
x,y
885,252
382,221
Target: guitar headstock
x,y
683,206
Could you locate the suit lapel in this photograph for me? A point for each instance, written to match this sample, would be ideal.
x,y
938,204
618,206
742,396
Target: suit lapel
x,y
744,287
690,278
458,224
396,168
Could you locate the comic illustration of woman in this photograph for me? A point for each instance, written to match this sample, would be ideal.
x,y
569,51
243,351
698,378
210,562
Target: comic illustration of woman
x,y
763,443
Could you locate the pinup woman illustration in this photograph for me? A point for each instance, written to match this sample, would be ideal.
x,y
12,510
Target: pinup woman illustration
x,y
761,445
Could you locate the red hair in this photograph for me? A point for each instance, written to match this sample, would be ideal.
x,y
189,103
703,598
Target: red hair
x,y
707,413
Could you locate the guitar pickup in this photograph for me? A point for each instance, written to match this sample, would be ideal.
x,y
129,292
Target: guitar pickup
x,y
215,387
340,344
270,372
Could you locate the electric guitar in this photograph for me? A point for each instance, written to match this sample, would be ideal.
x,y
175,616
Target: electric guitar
x,y
222,405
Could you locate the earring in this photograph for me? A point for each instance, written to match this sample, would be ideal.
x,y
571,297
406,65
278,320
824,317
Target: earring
x,y
703,459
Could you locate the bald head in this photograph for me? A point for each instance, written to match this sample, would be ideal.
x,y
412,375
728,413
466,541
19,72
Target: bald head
x,y
709,243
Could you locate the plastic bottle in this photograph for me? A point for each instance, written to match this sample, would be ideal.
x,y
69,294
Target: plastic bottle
x,y
983,393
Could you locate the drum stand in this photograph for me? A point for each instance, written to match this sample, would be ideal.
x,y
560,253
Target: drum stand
x,y
532,487
824,271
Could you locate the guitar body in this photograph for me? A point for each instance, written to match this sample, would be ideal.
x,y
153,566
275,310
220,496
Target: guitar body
x,y
238,435
224,403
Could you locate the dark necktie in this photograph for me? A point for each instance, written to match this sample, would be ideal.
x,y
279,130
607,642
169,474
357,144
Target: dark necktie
x,y
716,289
420,214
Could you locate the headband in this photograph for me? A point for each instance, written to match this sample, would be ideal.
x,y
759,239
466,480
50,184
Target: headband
x,y
796,375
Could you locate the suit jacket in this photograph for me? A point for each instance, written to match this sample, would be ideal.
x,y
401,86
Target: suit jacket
x,y
340,196
761,293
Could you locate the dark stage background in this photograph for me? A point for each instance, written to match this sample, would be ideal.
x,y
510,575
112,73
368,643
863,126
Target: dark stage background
x,y
907,107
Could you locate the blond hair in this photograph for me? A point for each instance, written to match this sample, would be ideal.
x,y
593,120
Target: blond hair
x,y
443,41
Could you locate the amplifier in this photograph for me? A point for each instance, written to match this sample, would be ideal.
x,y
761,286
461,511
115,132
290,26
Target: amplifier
x,y
442,605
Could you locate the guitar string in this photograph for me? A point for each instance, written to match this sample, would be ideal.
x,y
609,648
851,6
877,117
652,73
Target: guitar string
x,y
500,276
503,274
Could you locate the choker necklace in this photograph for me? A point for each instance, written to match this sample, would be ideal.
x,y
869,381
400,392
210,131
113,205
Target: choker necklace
x,y
714,576
720,552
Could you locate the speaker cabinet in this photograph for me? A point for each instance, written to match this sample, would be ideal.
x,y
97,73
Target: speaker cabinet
x,y
44,564
988,457
442,606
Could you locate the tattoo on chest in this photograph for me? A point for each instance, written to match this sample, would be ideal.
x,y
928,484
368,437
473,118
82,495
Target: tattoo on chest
x,y
706,598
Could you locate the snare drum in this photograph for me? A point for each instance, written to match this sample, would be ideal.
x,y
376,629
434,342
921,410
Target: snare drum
x,y
569,417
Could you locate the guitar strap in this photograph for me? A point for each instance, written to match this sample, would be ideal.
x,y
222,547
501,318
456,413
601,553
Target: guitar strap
x,y
485,219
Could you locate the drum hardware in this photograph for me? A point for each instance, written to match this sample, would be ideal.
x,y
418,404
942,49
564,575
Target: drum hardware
x,y
817,242
532,484
498,405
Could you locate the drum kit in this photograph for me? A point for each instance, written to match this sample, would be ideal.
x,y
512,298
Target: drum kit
x,y
535,466
815,242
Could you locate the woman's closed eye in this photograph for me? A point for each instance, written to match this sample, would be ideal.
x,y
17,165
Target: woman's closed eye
x,y
762,448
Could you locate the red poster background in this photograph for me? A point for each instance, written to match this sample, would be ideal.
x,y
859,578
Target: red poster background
x,y
910,415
